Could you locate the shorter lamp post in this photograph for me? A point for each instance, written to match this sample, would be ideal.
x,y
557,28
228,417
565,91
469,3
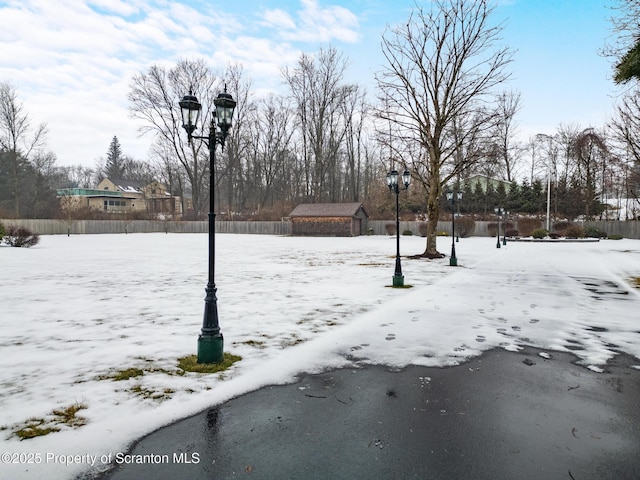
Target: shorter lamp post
x,y
451,196
504,228
394,187
210,341
499,211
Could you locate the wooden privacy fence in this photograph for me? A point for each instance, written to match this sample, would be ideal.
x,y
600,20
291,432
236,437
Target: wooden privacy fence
x,y
61,227
628,229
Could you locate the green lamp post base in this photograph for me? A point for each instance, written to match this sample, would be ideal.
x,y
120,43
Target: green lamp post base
x,y
398,280
453,262
210,348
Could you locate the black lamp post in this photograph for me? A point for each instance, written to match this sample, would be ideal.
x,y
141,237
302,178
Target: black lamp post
x,y
499,211
504,228
210,341
451,196
394,187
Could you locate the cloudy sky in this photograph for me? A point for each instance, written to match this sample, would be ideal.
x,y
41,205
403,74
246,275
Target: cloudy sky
x,y
71,61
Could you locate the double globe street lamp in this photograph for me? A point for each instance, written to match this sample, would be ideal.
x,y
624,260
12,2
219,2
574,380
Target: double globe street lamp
x,y
451,197
394,187
210,341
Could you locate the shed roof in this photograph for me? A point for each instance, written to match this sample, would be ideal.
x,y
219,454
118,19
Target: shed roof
x,y
327,210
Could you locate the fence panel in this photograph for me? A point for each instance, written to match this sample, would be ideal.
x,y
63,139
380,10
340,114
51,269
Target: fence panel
x,y
628,229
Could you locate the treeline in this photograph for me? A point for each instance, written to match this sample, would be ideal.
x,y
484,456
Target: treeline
x,y
322,140
565,201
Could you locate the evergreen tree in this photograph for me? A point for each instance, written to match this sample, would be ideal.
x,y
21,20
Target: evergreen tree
x,y
115,165
513,202
490,199
538,197
501,195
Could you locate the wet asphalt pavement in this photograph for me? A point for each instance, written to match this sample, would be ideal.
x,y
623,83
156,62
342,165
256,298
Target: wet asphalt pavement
x,y
503,415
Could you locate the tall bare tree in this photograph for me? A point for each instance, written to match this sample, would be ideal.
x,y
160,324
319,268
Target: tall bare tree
x,y
18,141
316,86
591,157
625,130
444,63
508,151
154,97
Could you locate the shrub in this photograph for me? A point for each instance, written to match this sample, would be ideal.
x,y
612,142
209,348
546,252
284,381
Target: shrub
x,y
407,233
1,232
512,233
390,228
540,233
594,232
554,235
442,234
492,228
561,227
422,228
526,226
615,236
574,231
21,237
465,226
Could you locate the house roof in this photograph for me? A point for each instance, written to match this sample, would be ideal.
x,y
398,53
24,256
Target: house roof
x,y
125,185
327,210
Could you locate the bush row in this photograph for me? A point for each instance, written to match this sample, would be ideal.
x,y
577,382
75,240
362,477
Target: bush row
x,y
526,227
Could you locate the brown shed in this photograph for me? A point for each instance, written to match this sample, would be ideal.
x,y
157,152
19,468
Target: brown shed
x,y
329,219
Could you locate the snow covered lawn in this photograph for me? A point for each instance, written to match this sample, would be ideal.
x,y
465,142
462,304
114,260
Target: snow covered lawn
x,y
75,311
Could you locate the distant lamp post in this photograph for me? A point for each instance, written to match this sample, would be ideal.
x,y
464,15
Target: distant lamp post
x,y
451,197
210,341
499,212
394,187
504,228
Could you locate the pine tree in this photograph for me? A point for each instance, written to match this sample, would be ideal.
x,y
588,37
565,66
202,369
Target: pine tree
x,y
115,165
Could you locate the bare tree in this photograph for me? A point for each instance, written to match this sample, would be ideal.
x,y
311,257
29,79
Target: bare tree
x,y
591,156
625,131
443,65
17,141
507,149
316,87
231,182
154,97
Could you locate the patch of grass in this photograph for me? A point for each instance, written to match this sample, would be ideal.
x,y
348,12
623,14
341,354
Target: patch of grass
x,y
290,342
190,364
68,415
121,375
150,394
38,427
34,427
253,343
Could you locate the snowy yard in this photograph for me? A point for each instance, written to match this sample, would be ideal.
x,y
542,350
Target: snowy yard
x,y
76,310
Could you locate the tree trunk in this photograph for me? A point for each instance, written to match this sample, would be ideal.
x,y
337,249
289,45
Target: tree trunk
x,y
433,215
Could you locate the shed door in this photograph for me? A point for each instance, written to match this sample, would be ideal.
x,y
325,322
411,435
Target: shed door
x,y
357,225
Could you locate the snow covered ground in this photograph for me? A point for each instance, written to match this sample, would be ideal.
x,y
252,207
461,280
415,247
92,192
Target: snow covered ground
x,y
74,310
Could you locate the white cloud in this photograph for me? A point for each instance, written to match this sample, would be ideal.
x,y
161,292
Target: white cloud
x,y
279,19
66,58
315,23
